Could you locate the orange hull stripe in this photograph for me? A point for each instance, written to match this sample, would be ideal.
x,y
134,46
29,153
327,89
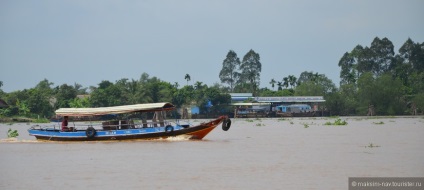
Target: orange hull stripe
x,y
202,133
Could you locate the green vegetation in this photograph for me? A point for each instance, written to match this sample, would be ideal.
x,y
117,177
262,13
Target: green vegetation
x,y
41,120
43,99
306,126
338,121
371,77
12,133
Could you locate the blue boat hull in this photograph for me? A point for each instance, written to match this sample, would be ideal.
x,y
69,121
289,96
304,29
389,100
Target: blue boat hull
x,y
195,132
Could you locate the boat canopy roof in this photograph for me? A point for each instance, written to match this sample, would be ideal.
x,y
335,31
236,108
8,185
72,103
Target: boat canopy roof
x,y
151,107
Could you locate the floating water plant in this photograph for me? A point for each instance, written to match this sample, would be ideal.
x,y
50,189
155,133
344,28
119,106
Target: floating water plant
x,y
306,125
260,124
338,121
12,133
371,145
378,123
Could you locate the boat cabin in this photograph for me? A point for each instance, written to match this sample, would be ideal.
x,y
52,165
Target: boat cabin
x,y
294,108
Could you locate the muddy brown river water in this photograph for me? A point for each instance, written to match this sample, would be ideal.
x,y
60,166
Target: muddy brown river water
x,y
291,153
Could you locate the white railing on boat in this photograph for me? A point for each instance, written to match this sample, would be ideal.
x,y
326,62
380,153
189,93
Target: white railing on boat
x,y
111,125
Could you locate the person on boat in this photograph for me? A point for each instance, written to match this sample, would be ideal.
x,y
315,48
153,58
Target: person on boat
x,y
65,124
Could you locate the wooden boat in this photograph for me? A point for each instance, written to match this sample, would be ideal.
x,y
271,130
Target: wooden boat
x,y
295,110
125,129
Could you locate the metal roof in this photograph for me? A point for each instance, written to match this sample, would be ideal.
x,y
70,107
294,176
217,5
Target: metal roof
x,y
250,104
249,95
290,99
115,109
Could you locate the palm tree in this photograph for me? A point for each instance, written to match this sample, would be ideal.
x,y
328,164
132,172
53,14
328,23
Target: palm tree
x,y
187,77
292,81
280,84
198,85
176,85
272,83
286,82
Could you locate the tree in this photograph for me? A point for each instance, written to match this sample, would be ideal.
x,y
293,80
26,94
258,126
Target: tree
x,y
178,99
309,89
251,68
228,73
218,99
64,95
132,88
107,94
383,53
45,87
280,85
416,82
286,82
317,85
39,102
176,85
143,94
348,71
187,77
363,57
377,59
1,91
413,54
23,108
79,103
389,95
384,93
80,90
419,102
292,81
272,82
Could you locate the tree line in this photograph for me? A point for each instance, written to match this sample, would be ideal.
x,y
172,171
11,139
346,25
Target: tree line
x,y
44,98
393,83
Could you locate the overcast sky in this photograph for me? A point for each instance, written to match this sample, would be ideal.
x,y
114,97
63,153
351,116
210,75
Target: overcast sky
x,y
86,42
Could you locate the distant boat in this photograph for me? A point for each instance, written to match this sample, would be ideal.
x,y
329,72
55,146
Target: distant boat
x,y
295,110
126,129
251,113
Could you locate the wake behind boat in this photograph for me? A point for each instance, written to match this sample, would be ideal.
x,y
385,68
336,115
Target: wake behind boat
x,y
128,129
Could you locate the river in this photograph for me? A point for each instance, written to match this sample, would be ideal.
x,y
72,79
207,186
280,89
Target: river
x,y
291,153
